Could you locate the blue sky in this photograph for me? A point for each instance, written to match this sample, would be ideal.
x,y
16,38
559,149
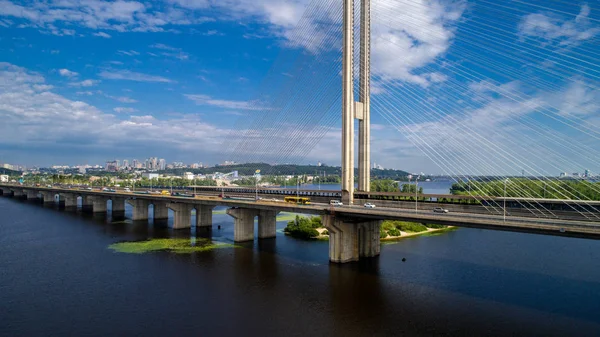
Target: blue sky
x,y
477,87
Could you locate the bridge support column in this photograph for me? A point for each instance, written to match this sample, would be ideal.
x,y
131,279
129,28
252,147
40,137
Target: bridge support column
x,y
118,207
68,201
18,193
48,197
267,222
140,209
161,211
352,239
182,216
87,203
204,216
99,204
32,194
243,223
7,192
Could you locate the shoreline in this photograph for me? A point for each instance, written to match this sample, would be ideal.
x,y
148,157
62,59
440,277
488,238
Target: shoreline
x,y
395,238
413,234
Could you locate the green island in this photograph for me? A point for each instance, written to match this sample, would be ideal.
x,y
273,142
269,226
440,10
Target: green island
x,y
178,246
311,228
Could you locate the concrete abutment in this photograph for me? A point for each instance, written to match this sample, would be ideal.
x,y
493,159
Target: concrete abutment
x,y
244,223
161,211
267,224
118,207
243,229
182,215
140,209
204,216
352,239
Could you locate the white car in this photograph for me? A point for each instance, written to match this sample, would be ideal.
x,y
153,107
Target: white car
x,y
127,189
336,203
369,205
440,210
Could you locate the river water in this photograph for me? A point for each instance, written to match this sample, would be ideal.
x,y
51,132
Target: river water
x,y
58,277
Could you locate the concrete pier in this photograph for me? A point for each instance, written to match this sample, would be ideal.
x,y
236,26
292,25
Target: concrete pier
x,y
182,216
140,209
48,197
68,201
87,203
352,239
6,192
18,193
204,216
32,195
99,204
161,211
243,223
118,207
267,221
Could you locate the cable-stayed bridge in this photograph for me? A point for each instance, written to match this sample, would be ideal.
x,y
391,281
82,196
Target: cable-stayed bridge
x,y
481,90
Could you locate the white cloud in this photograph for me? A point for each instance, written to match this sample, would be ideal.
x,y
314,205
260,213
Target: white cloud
x,y
171,51
163,47
34,118
554,29
124,99
124,110
102,34
127,75
128,52
226,104
67,73
84,83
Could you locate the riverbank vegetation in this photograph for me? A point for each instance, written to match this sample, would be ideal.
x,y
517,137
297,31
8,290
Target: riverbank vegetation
x,y
312,228
304,228
397,229
526,188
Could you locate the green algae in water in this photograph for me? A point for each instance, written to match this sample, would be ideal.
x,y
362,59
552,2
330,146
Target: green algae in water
x,y
178,246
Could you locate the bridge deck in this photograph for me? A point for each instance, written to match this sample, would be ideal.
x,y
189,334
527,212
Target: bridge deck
x,y
560,227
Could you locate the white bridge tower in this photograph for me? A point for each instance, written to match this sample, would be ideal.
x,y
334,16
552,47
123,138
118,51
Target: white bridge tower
x,y
352,109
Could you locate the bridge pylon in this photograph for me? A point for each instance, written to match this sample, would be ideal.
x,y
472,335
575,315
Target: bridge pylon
x,y
352,109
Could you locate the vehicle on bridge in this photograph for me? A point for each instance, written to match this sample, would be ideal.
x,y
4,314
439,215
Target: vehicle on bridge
x,y
440,210
336,203
297,200
369,205
165,192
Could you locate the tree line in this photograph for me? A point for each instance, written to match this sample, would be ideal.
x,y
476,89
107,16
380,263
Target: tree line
x,y
526,188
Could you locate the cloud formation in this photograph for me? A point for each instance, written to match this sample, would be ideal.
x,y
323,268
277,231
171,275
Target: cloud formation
x,y
225,104
67,73
127,75
552,28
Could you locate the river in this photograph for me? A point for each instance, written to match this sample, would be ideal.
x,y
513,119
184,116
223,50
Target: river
x,y
58,277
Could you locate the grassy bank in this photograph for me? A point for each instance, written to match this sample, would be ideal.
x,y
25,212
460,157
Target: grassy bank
x,y
312,229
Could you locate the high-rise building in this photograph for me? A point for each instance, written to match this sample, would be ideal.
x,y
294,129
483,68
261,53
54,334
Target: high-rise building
x,y
111,166
162,164
134,164
587,173
125,164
